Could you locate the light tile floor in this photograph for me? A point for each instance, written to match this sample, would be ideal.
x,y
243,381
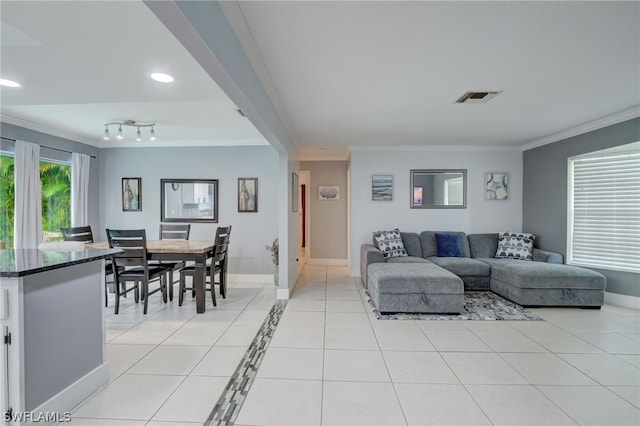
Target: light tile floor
x,y
332,362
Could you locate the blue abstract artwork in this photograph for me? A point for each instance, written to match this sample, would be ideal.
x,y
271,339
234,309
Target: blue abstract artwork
x,y
496,186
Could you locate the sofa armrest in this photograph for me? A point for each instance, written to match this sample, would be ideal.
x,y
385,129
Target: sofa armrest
x,y
547,256
369,254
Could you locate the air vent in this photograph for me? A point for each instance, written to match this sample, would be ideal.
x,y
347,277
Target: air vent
x,y
477,97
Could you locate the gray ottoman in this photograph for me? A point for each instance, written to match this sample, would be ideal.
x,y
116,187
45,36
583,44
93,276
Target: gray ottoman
x,y
546,284
414,287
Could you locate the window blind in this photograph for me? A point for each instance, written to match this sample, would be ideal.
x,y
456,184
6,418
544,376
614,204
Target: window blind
x,y
604,211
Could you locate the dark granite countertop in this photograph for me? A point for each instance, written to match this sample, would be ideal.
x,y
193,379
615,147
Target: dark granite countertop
x,y
21,262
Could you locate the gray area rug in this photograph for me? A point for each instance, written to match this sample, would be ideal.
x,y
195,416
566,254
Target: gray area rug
x,y
478,305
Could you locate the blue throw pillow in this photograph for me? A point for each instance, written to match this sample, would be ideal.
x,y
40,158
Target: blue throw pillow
x,y
449,245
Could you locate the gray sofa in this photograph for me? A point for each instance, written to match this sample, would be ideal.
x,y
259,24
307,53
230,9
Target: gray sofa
x,y
546,281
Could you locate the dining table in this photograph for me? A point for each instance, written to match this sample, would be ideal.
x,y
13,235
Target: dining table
x,y
180,250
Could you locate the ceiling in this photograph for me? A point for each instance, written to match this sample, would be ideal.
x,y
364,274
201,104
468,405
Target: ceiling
x,y
342,75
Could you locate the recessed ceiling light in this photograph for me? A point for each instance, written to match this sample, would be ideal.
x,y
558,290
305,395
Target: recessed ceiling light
x,y
8,83
162,77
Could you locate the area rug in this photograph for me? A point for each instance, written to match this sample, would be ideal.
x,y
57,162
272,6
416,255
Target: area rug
x,y
478,305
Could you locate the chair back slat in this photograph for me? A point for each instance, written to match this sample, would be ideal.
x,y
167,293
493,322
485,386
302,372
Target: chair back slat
x,y
174,232
77,233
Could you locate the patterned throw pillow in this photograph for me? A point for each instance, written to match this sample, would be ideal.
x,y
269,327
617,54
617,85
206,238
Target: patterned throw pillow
x,y
515,245
389,243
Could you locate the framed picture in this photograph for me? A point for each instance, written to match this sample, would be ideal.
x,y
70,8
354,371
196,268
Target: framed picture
x,y
496,186
331,192
294,192
189,200
382,188
247,195
131,194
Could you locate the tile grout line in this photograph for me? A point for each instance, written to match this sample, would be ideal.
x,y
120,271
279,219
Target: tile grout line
x,y
228,405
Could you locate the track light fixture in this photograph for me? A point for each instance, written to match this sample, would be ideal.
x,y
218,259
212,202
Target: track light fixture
x,y
132,123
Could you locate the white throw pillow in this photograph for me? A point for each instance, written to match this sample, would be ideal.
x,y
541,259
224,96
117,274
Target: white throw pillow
x,y
515,245
389,243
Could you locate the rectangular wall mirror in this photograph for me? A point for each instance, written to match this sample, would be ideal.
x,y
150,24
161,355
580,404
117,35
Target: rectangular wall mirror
x,y
439,189
189,200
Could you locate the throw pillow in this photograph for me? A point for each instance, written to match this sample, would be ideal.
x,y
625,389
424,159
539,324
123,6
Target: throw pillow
x,y
449,245
515,245
389,243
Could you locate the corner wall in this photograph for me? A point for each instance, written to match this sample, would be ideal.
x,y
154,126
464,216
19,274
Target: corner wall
x,y
545,186
480,215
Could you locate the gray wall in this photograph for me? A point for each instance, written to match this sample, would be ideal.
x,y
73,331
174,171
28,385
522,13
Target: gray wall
x,y
20,133
328,219
545,191
251,231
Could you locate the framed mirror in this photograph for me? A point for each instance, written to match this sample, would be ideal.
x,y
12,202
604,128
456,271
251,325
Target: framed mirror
x,y
439,189
189,200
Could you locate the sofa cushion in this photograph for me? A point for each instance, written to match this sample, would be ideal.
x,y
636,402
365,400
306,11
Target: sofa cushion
x,y
411,241
462,266
407,259
515,245
389,243
544,275
413,278
430,246
448,245
483,245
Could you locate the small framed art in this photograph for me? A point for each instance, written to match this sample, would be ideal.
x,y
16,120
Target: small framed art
x,y
247,195
329,192
131,194
382,188
496,186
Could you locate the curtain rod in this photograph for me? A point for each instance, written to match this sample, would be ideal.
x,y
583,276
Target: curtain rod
x,y
44,146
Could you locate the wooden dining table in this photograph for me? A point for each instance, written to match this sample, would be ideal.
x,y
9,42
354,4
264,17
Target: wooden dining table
x,y
180,250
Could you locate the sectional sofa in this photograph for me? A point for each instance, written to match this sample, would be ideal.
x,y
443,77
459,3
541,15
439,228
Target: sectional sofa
x,y
420,280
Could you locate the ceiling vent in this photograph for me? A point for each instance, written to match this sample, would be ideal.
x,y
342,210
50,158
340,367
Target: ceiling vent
x,y
477,97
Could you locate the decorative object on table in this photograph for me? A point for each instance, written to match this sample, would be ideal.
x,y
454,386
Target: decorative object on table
x,y
329,192
382,188
274,249
478,305
131,194
496,186
294,192
247,195
189,200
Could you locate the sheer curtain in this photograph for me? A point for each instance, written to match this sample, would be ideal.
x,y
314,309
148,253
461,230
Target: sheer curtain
x,y
80,189
28,207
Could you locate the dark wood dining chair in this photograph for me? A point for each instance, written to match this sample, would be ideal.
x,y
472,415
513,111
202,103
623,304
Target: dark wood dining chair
x,y
172,232
133,242
222,231
213,270
85,234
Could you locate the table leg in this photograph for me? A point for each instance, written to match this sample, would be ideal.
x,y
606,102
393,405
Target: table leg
x,y
199,280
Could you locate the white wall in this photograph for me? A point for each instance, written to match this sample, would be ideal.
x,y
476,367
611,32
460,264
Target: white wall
x,y
251,231
480,216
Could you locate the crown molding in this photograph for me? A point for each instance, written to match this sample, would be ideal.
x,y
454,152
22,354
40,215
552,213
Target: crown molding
x,y
584,128
409,148
37,127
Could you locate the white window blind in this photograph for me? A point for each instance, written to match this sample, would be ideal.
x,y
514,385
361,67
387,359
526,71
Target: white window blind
x,y
604,210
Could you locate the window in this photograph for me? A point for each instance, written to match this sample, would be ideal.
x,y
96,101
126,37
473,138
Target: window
x,y
55,177
604,209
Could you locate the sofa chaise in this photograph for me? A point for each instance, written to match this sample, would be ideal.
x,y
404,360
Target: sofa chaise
x,y
394,282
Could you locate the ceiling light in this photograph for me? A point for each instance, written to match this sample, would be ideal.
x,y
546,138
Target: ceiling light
x,y
162,77
8,83
131,123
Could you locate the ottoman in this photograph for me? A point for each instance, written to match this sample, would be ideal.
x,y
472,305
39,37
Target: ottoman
x,y
546,284
415,288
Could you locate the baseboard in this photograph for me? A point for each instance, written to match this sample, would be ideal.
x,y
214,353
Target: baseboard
x,y
283,293
70,397
622,300
251,278
328,262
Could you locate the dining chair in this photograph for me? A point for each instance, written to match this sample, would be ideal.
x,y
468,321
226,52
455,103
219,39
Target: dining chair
x,y
85,235
133,242
215,268
222,231
172,232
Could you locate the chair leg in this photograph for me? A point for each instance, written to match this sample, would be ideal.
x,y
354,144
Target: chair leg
x,y
106,293
163,286
170,284
213,289
117,304
136,292
145,295
181,288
